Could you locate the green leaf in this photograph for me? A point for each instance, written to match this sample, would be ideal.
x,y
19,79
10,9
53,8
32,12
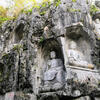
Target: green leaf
x,y
73,0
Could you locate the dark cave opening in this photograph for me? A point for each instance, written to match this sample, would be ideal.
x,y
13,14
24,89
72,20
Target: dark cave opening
x,y
65,98
58,98
19,33
92,98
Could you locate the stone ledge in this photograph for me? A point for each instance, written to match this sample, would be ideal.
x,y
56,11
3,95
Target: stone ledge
x,y
75,24
84,69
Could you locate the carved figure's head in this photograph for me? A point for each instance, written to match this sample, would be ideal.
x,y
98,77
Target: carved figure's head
x,y
52,54
46,28
72,45
97,21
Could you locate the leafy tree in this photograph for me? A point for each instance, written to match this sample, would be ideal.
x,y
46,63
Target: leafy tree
x,y
20,5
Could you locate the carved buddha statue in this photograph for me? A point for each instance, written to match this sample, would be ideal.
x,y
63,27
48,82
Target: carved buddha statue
x,y
54,75
97,27
76,58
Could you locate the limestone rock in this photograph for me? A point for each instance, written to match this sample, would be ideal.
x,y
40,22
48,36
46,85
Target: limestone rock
x,y
97,3
55,56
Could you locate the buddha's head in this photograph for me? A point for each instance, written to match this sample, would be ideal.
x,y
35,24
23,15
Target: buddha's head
x,y
97,21
52,54
72,45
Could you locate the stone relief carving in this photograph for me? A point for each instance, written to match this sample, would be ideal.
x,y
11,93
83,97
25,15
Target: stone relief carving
x,y
54,75
97,27
46,32
76,58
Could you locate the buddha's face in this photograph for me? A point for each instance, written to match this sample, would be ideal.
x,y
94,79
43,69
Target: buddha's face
x,y
97,21
72,45
52,55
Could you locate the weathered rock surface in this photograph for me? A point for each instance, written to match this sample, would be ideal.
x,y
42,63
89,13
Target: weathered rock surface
x,y
55,56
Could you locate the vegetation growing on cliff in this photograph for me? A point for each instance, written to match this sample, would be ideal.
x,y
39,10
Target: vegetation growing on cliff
x,y
3,14
93,9
25,6
74,0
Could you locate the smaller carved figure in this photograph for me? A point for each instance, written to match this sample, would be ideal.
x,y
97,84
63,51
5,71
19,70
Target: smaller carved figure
x,y
54,76
46,33
97,27
76,58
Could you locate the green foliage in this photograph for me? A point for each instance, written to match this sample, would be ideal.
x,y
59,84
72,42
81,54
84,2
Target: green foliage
x,y
5,18
44,6
25,5
41,7
5,54
87,1
17,47
3,15
42,13
99,40
19,6
27,11
73,0
41,40
57,2
74,10
93,9
82,20
1,79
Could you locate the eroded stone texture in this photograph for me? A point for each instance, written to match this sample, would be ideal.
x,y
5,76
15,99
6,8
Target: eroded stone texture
x,y
18,96
97,98
97,3
82,81
53,56
8,71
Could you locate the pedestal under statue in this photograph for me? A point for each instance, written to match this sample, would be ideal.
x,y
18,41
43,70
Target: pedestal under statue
x,y
76,58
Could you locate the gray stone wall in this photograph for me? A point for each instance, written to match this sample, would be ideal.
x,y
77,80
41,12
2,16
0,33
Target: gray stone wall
x,y
53,56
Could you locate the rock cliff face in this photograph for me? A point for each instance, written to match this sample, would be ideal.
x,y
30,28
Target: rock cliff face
x,y
51,56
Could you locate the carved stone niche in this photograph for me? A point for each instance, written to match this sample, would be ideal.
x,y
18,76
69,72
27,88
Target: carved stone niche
x,y
78,46
73,31
52,67
18,33
82,78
